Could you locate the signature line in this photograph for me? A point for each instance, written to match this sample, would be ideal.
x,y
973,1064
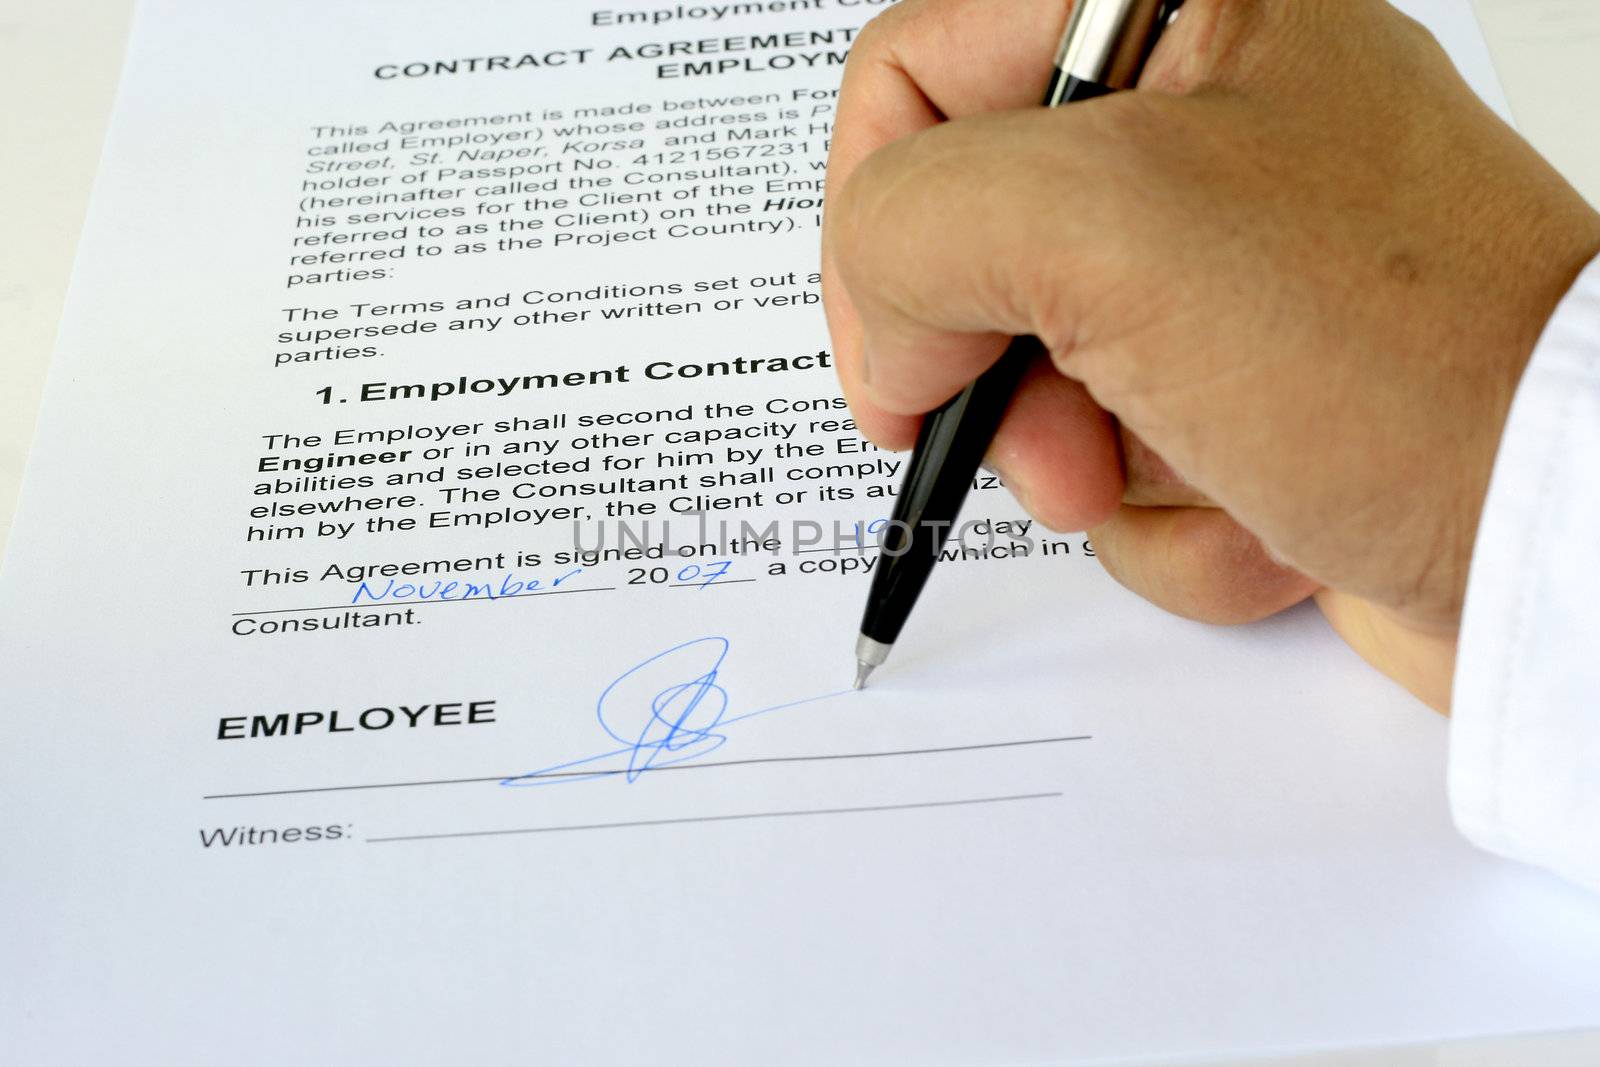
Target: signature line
x,y
653,770
719,818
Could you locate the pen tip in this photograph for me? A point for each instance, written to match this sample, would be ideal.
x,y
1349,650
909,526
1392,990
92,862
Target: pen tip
x,y
863,671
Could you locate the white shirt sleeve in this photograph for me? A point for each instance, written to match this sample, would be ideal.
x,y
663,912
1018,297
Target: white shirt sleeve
x,y
1525,732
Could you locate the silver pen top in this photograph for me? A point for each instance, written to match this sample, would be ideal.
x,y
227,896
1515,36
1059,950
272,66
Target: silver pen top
x,y
1107,41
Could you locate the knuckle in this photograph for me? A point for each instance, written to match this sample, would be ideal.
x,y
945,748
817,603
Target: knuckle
x,y
880,34
869,40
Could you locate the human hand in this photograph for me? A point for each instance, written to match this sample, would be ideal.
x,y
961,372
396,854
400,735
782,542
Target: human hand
x,y
1288,289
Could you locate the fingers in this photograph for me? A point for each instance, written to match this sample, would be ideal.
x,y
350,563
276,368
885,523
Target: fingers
x,y
926,61
915,65
1198,563
1057,452
950,242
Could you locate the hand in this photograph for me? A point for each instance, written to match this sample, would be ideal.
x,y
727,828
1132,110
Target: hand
x,y
1288,288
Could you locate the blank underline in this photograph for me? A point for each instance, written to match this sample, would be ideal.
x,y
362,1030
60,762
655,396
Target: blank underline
x,y
835,548
377,605
718,818
655,770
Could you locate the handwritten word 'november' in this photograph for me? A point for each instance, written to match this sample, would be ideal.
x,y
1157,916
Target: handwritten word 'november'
x,y
508,585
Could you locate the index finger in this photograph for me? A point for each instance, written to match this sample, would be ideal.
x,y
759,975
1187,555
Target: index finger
x,y
914,66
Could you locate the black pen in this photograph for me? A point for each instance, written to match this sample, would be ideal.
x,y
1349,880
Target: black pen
x,y
1103,50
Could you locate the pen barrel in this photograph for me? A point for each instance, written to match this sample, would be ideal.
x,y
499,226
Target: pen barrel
x,y
1103,50
950,449
1064,89
1108,41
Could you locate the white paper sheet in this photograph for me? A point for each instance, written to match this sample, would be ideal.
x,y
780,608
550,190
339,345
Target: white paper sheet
x,y
1060,827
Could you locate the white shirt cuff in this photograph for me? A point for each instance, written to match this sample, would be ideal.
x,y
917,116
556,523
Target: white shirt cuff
x,y
1525,735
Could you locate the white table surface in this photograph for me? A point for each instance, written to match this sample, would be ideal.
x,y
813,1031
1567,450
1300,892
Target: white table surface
x,y
59,63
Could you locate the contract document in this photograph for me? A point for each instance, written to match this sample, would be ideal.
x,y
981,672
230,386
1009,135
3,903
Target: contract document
x,y
427,631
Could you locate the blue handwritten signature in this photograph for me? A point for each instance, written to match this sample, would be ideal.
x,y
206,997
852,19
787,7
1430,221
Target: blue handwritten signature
x,y
658,719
